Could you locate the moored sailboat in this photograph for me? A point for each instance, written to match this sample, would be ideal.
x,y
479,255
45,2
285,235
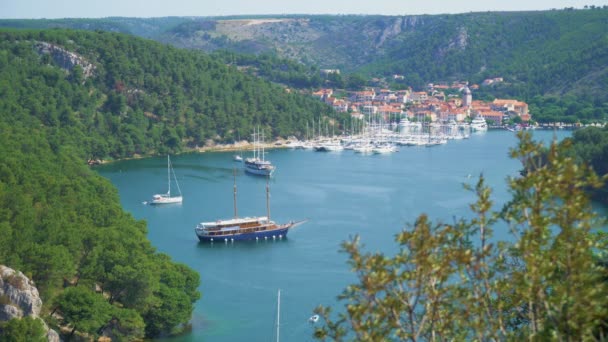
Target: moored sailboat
x,y
167,198
245,228
258,165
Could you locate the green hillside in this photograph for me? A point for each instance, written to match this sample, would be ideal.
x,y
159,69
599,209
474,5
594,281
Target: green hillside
x,y
547,53
133,96
537,53
62,225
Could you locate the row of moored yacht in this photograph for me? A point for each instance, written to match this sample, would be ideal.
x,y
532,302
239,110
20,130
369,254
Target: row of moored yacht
x,y
378,140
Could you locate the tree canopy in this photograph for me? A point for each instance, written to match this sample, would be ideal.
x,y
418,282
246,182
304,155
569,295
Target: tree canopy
x,y
590,145
62,225
137,96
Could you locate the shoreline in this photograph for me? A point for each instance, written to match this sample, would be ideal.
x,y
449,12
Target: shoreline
x,y
237,146
277,144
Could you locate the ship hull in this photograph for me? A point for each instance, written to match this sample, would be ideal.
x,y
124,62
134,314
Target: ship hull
x,y
260,171
166,200
278,233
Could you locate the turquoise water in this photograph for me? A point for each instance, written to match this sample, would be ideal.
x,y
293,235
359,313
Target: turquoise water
x,y
341,193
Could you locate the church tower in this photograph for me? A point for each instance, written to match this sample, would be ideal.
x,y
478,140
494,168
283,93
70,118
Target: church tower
x,y
467,98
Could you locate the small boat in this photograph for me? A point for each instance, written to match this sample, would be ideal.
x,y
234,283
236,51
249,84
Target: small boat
x,y
244,228
384,149
238,157
313,319
167,198
364,148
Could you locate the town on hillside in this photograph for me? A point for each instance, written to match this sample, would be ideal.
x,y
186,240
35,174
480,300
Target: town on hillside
x,y
431,105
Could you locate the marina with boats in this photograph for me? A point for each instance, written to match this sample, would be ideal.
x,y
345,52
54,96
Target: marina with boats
x,y
387,138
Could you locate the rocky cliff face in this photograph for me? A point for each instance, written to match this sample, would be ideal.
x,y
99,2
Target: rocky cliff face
x,y
19,298
66,59
458,42
393,30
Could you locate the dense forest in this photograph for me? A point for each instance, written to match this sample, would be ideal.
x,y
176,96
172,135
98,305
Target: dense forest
x,y
290,73
62,225
131,96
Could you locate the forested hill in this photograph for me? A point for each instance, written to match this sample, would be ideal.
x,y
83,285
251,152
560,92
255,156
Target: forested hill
x,y
537,53
117,95
62,225
553,52
63,96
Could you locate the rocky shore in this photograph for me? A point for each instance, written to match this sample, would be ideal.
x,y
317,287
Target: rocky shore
x,y
243,145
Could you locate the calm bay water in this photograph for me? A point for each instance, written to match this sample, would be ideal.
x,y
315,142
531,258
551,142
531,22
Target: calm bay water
x,y
342,194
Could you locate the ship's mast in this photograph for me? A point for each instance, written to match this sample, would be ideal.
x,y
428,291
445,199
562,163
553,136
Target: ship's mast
x,y
168,176
278,313
268,198
235,211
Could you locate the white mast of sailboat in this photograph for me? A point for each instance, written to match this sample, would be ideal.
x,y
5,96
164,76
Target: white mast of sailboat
x,y
262,145
174,177
169,176
268,199
235,211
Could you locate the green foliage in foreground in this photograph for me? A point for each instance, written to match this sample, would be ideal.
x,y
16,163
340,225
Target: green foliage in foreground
x,y
455,282
62,225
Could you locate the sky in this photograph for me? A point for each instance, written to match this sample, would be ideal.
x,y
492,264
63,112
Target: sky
x,y
52,9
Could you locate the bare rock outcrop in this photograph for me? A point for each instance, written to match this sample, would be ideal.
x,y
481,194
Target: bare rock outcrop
x,y
393,30
19,298
459,42
66,59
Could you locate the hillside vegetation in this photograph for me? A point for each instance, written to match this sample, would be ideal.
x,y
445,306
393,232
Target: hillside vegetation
x,y
127,95
554,52
538,53
591,147
62,225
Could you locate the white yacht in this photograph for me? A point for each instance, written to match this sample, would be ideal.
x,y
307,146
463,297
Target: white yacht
x,y
479,124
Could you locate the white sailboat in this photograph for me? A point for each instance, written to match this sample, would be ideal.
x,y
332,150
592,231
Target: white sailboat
x,y
258,165
167,198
